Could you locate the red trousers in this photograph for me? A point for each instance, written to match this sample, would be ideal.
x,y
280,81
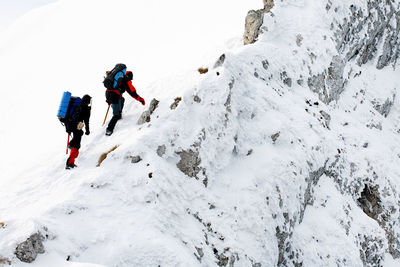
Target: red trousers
x,y
72,156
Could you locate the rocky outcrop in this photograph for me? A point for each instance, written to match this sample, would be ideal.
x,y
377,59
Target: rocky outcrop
x,y
384,108
189,163
254,20
359,35
268,5
329,84
28,250
146,116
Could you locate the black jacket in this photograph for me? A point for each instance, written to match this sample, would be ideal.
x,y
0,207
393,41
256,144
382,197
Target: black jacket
x,y
80,114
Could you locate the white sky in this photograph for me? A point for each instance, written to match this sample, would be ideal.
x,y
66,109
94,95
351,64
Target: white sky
x,y
10,10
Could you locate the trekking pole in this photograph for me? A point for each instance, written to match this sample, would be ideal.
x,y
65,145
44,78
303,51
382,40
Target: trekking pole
x,y
68,144
106,115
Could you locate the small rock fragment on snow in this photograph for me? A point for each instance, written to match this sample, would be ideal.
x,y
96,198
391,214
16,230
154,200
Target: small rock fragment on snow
x,y
275,136
135,159
104,156
220,61
202,70
197,99
161,150
176,103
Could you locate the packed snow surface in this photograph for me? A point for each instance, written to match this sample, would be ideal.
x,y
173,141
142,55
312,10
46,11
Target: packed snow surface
x,y
277,171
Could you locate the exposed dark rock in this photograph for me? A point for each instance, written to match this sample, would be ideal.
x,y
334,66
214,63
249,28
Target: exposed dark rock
x,y
145,117
176,103
196,99
268,5
189,163
376,125
286,80
28,250
161,150
202,70
384,109
265,64
299,40
372,250
135,159
359,35
329,84
370,201
220,61
326,117
200,254
275,136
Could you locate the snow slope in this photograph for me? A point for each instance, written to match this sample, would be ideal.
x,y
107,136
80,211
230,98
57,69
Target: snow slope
x,y
292,147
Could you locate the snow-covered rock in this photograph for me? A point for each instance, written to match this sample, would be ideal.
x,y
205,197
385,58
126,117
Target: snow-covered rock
x,y
285,153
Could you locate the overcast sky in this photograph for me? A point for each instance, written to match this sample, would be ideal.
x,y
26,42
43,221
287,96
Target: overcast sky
x,y
10,10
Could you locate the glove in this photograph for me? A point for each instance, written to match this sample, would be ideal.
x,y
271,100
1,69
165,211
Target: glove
x,y
108,102
80,126
141,100
87,132
67,129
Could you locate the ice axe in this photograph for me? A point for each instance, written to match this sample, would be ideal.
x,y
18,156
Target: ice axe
x,y
68,143
104,122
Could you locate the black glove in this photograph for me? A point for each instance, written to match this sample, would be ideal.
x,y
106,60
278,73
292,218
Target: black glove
x,y
87,132
141,100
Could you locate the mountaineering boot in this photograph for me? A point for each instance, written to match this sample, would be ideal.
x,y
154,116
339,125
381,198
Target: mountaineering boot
x,y
69,166
71,160
109,132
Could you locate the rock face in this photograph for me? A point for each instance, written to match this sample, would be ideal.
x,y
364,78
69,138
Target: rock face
x,y
254,20
384,109
189,163
28,250
146,116
329,84
359,35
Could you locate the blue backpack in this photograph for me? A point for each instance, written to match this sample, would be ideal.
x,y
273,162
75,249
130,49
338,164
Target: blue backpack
x,y
68,107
